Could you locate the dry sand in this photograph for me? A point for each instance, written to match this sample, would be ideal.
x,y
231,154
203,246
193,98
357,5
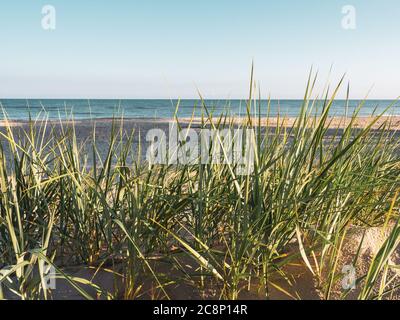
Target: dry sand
x,y
303,285
333,122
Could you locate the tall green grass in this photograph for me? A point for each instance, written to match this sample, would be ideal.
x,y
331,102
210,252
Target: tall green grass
x,y
165,227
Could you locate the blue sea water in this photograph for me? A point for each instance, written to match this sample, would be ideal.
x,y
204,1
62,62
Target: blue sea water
x,y
20,109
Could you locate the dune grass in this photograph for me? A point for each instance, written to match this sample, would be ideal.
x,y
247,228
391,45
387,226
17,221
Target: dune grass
x,y
210,227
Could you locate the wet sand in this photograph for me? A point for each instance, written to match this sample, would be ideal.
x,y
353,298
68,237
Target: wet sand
x,y
140,126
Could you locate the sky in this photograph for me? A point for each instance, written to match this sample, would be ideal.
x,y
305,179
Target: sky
x,y
170,49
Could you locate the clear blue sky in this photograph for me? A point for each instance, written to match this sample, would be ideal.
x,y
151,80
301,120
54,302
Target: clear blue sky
x,y
163,49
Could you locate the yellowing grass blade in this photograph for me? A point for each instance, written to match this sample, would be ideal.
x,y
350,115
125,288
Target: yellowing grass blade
x,y
302,251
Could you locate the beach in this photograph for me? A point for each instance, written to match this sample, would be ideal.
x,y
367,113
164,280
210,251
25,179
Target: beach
x,y
203,151
136,129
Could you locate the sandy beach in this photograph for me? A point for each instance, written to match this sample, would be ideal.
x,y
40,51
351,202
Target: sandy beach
x,y
199,152
334,122
140,126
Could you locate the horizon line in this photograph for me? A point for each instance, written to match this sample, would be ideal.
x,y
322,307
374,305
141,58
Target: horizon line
x,y
198,98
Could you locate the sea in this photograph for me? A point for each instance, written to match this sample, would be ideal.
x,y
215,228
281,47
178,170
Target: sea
x,y
81,109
